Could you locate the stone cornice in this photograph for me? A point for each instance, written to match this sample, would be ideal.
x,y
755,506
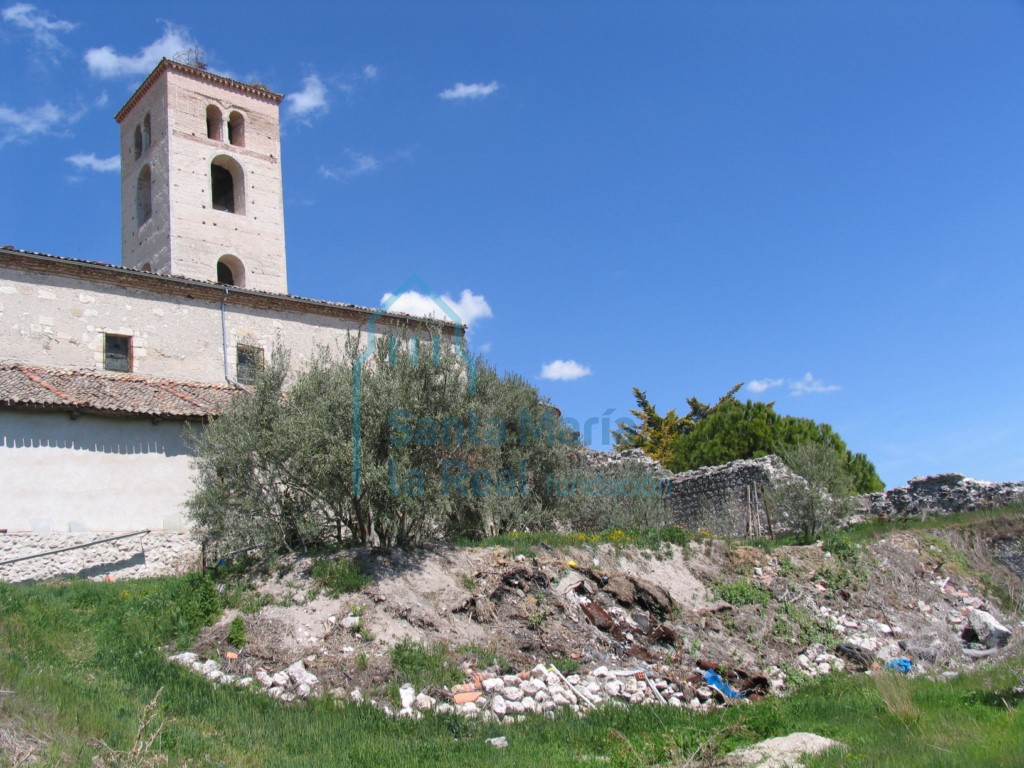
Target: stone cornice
x,y
257,91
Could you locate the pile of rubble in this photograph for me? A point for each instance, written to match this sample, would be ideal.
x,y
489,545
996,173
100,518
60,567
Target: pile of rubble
x,y
544,689
943,495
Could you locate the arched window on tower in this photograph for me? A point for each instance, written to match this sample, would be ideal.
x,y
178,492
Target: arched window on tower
x,y
147,132
138,141
214,123
144,196
227,185
231,271
236,129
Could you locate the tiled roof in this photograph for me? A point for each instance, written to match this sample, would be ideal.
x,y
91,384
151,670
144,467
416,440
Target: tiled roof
x,y
118,394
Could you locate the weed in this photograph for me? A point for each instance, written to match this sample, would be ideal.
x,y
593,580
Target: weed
x,y
536,619
786,567
800,623
742,592
485,657
339,576
468,582
894,690
236,632
362,662
835,578
357,610
566,666
425,665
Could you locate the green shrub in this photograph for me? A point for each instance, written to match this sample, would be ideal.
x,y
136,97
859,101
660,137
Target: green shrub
x,y
340,576
820,497
236,632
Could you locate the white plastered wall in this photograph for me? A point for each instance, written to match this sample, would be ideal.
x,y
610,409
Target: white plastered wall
x,y
93,473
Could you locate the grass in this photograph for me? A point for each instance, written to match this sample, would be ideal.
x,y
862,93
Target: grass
x,y
86,660
339,576
843,542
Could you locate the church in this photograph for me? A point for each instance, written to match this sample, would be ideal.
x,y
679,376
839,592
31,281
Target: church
x,y
104,370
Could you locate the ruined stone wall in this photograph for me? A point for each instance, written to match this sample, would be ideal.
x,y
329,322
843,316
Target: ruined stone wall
x,y
726,500
159,553
943,495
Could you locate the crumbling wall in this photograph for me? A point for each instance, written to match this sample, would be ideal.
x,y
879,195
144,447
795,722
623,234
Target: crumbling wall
x,y
726,500
943,495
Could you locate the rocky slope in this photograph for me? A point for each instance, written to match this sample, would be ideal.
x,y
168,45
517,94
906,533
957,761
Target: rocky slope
x,y
624,624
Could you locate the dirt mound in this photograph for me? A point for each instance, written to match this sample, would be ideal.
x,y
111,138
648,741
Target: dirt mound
x,y
772,614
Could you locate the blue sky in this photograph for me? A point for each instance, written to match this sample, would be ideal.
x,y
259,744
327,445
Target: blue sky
x,y
822,199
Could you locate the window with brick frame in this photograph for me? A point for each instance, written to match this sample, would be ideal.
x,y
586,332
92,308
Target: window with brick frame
x,y
248,364
117,352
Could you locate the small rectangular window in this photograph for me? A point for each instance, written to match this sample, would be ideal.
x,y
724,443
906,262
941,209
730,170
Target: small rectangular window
x,y
117,352
249,364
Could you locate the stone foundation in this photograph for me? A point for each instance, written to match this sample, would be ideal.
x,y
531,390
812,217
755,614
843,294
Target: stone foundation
x,y
158,553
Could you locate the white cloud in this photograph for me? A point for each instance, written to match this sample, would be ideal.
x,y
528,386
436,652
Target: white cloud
x,y
564,370
484,348
468,308
757,386
45,31
92,163
809,385
311,100
20,124
370,72
469,90
359,163
106,62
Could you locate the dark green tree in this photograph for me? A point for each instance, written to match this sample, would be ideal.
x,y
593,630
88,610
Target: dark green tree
x,y
655,434
748,430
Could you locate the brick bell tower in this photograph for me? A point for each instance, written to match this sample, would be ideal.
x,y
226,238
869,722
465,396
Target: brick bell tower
x,y
201,179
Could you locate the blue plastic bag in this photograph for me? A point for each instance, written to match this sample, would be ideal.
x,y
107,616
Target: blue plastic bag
x,y
899,665
715,681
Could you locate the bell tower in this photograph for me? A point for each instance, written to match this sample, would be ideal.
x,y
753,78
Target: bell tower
x,y
201,179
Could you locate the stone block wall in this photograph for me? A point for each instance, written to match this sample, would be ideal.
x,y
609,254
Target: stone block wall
x,y
158,553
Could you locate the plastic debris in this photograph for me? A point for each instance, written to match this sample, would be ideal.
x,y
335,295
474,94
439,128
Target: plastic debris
x,y
900,665
715,681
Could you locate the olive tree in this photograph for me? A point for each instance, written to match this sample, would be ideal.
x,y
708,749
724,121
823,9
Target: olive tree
x,y
402,443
